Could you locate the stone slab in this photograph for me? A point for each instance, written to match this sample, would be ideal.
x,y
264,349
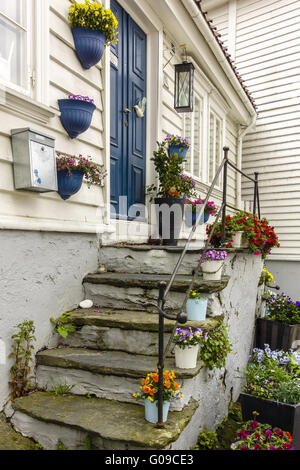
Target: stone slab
x,y
97,418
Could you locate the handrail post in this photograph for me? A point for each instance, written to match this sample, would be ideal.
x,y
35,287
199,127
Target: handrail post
x,y
255,191
160,365
226,150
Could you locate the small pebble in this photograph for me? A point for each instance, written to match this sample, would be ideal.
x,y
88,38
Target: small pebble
x,y
86,304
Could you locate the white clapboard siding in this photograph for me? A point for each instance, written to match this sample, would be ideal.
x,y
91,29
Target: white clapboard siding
x,y
66,76
267,55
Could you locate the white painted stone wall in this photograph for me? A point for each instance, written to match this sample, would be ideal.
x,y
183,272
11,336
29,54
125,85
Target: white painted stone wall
x,y
40,276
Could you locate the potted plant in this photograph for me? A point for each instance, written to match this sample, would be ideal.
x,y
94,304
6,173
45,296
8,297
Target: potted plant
x,y
76,114
260,236
93,28
186,349
196,306
194,207
258,436
178,146
280,327
173,187
272,389
212,262
72,170
149,393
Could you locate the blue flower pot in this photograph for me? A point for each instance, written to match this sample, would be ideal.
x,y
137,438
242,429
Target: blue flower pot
x,y
196,309
151,411
68,185
89,45
76,116
191,217
179,150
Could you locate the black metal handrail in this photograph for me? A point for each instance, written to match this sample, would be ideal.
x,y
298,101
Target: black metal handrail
x,y
164,288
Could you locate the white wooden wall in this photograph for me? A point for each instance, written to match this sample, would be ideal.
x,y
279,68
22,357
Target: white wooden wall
x,y
174,123
65,75
267,55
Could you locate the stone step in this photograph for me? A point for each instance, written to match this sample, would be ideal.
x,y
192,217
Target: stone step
x,y
123,330
147,259
113,375
102,424
140,291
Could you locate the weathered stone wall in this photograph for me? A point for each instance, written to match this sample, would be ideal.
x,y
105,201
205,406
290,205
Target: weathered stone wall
x,y
40,276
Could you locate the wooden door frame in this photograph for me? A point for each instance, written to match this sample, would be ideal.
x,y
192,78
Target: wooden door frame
x,y
146,19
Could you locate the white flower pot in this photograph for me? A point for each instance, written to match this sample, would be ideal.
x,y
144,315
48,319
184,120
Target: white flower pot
x,y
212,270
239,241
186,358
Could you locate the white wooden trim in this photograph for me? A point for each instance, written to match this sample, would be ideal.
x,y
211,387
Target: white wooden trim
x,y
42,51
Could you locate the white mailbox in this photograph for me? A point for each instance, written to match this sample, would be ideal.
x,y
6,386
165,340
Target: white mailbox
x,y
34,160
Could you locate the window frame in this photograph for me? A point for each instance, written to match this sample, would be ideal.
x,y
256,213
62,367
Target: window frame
x,y
27,28
220,116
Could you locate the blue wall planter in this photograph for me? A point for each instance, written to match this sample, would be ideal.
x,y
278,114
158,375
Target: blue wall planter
x,y
191,217
76,116
196,309
89,45
68,185
180,150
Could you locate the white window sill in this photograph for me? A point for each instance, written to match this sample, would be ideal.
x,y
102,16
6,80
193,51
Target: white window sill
x,y
15,102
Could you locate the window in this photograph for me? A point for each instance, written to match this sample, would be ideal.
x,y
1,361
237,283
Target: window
x,y
14,53
193,131
215,145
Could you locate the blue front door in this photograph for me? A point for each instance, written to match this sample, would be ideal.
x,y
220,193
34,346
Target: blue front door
x,y
128,130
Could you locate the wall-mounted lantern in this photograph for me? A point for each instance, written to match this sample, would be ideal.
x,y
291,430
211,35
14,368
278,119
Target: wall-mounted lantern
x,y
34,161
184,87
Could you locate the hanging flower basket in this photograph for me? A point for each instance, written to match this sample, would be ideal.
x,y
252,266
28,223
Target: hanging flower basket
x,y
76,114
69,183
93,28
89,45
70,173
193,208
178,146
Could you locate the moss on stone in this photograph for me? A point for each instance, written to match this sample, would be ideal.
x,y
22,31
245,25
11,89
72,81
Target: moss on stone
x,y
12,440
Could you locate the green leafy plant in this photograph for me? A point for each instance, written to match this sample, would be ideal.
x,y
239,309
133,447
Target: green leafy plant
x,y
94,16
22,354
215,347
172,181
61,389
61,446
207,440
63,326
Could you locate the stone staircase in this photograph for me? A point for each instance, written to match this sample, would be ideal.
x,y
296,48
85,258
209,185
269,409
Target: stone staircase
x,y
114,346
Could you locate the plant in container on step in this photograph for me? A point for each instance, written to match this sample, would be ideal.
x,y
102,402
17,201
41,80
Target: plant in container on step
x,y
212,263
194,207
273,389
149,393
281,325
72,170
257,234
178,146
93,28
171,191
187,341
76,114
196,306
257,436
